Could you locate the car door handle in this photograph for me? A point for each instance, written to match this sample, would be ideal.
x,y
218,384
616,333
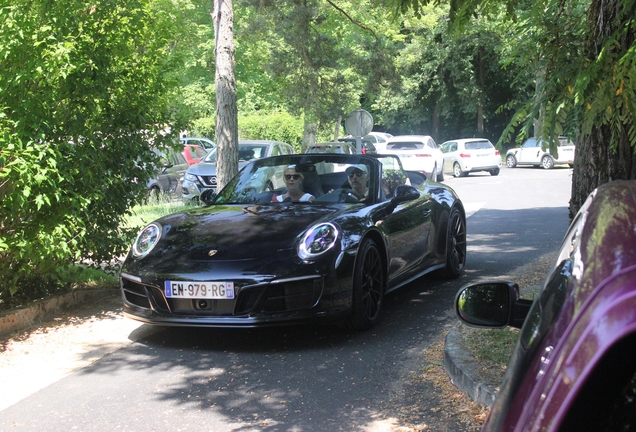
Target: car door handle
x,y
426,212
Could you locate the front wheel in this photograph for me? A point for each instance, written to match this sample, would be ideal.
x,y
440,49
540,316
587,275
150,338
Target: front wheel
x,y
455,245
511,161
547,162
368,287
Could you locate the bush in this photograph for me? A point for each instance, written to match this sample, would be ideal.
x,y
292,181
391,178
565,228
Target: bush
x,y
80,105
275,126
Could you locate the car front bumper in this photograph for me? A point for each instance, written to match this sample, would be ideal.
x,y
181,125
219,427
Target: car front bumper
x,y
302,293
191,190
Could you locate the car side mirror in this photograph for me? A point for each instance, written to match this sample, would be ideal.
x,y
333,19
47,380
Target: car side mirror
x,y
404,193
207,197
491,304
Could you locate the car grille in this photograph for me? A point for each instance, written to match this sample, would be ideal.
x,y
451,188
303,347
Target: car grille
x,y
293,296
268,298
208,181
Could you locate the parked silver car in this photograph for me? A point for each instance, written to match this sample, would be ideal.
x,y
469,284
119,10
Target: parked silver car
x,y
338,147
464,156
169,177
202,176
532,153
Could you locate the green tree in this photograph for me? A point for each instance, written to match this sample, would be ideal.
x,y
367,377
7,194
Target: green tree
x,y
225,81
584,55
85,89
326,58
450,85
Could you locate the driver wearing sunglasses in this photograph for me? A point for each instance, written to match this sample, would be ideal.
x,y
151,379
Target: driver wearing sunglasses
x,y
293,181
357,176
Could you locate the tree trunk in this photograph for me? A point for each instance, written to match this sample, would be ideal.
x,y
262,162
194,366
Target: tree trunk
x,y
336,133
605,154
225,81
435,123
596,163
309,134
482,85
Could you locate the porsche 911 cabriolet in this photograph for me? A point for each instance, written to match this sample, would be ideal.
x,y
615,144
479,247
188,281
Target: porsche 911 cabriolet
x,y
295,239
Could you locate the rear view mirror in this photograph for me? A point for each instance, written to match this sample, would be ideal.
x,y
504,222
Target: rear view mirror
x,y
491,304
207,197
405,193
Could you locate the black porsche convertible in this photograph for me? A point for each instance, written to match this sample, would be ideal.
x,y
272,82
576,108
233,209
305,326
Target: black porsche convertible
x,y
255,256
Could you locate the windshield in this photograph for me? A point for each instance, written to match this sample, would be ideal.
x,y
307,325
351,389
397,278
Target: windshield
x,y
314,179
479,145
246,152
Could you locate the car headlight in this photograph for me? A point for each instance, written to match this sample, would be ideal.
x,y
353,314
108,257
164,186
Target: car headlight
x,y
318,240
191,177
146,240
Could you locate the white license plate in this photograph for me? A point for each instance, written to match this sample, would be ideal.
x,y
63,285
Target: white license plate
x,y
199,290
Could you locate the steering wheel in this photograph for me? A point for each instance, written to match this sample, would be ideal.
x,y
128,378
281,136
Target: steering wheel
x,y
350,196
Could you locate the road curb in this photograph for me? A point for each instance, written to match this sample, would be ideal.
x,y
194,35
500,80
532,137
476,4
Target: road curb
x,y
462,369
23,318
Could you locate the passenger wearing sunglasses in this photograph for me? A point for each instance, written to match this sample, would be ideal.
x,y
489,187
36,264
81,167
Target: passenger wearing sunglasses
x,y
293,181
358,176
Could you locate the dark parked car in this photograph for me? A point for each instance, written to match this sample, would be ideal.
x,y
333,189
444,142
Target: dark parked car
x,y
574,366
248,260
169,178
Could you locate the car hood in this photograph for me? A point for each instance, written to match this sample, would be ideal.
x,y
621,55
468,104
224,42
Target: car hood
x,y
208,168
235,232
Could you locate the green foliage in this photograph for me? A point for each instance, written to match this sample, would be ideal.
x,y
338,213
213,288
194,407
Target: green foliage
x,y
448,80
323,59
274,126
204,127
85,88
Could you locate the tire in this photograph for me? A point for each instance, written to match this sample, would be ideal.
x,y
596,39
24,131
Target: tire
x,y
440,176
455,245
433,176
368,288
547,162
457,171
154,195
495,172
511,161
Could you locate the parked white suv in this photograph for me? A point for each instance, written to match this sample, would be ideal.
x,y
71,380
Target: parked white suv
x,y
532,153
417,153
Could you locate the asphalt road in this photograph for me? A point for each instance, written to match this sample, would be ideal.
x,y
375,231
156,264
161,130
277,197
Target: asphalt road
x,y
305,378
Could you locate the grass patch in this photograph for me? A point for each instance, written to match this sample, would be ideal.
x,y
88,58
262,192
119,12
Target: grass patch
x,y
154,209
493,346
89,278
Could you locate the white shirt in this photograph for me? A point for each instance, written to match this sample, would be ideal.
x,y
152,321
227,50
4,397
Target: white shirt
x,y
305,198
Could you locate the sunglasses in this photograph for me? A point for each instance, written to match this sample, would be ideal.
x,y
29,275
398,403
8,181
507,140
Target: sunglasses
x,y
357,173
290,176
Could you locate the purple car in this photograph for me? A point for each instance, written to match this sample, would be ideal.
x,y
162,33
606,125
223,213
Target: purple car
x,y
574,366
